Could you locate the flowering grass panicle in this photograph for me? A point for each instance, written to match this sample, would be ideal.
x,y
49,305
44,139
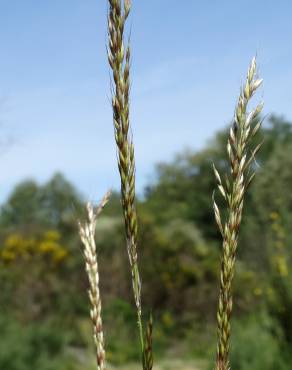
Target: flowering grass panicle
x,y
233,188
148,352
87,235
119,60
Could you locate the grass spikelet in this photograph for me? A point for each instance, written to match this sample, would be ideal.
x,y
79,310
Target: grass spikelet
x,y
241,156
87,235
148,353
119,60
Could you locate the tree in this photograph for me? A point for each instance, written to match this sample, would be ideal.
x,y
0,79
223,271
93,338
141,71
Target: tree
x,y
55,204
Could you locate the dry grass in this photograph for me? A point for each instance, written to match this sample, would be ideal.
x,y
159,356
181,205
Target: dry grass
x,y
87,235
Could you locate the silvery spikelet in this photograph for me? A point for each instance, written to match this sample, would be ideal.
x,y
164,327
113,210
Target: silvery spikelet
x,y
87,235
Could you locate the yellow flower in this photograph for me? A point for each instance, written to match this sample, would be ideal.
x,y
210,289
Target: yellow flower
x,y
282,266
47,246
7,256
60,255
13,241
274,215
52,235
16,245
258,291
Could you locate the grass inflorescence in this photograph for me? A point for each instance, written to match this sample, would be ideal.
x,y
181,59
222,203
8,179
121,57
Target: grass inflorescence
x,y
119,57
233,188
87,235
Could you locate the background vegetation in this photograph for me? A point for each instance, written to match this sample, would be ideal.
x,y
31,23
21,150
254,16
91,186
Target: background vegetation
x,y
43,304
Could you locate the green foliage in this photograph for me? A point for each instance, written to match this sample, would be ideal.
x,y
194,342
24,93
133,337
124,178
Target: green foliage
x,y
32,347
184,188
189,265
257,345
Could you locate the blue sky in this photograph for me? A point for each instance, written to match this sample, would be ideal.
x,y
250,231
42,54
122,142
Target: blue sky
x,y
189,59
